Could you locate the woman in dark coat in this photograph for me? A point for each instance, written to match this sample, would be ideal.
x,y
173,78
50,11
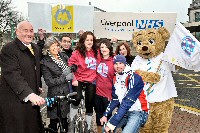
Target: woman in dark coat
x,y
56,74
20,78
124,49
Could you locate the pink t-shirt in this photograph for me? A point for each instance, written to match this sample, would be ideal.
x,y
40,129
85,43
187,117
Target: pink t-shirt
x,y
105,74
86,65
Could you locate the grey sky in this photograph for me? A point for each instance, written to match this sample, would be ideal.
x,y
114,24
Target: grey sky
x,y
178,6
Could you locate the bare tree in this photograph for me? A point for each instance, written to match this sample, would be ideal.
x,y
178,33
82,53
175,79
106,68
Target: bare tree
x,y
8,17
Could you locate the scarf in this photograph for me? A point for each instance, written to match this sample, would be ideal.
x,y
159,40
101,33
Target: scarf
x,y
59,62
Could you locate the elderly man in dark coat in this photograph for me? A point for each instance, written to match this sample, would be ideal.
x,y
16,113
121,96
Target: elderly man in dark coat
x,y
19,86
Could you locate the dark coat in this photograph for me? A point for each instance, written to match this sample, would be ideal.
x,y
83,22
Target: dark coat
x,y
20,76
57,84
68,52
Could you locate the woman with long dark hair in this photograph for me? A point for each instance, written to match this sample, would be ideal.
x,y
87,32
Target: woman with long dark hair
x,y
124,49
86,58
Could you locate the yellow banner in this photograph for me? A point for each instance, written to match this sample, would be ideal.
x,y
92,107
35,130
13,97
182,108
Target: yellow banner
x,y
63,18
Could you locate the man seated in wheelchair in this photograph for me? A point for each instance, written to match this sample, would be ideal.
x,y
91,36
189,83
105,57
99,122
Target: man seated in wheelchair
x,y
130,98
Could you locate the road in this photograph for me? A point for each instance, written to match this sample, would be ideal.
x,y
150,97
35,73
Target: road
x,y
188,89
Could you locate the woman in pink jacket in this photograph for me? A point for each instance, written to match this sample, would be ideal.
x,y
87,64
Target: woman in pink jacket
x,y
86,58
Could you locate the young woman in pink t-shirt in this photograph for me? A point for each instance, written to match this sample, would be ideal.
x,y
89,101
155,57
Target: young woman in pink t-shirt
x,y
105,74
86,58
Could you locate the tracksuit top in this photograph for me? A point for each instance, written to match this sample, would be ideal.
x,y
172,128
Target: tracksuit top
x,y
128,94
104,81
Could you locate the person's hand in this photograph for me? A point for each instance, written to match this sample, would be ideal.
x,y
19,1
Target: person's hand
x,y
75,83
103,120
41,90
35,99
107,129
74,68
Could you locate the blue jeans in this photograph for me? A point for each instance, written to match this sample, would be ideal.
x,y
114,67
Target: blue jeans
x,y
132,121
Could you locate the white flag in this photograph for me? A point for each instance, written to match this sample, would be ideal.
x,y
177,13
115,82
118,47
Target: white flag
x,y
183,49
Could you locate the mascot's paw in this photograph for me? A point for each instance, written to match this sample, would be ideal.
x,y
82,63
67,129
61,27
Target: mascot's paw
x,y
149,77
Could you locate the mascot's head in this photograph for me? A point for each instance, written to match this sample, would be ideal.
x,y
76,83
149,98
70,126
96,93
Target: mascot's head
x,y
150,42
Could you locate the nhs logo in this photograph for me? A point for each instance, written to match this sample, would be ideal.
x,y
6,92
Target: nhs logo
x,y
144,24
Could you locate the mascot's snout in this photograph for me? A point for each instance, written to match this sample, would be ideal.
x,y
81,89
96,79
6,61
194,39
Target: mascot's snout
x,y
144,48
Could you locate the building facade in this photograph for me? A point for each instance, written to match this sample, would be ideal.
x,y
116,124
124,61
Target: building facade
x,y
194,19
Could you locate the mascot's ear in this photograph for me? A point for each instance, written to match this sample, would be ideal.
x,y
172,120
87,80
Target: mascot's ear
x,y
164,33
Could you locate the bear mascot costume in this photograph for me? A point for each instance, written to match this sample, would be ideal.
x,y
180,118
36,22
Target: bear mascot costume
x,y
157,76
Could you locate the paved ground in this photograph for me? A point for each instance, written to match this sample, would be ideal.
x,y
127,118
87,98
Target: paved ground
x,y
184,122
186,117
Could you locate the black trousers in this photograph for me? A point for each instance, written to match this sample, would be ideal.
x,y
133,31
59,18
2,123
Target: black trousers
x,y
90,90
101,103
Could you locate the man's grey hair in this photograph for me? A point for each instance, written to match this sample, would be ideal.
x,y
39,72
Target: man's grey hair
x,y
49,41
19,25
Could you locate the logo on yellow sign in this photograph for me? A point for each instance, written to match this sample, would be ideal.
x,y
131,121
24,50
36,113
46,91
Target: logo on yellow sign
x,y
63,18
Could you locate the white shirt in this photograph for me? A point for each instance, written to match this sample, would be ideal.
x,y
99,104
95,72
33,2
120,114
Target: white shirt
x,y
165,88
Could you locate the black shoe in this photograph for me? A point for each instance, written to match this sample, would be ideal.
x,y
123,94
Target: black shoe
x,y
65,124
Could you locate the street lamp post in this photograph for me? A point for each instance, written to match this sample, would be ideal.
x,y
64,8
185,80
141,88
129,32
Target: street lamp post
x,y
11,26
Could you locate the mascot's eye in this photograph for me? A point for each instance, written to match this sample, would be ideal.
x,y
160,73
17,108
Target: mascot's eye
x,y
139,43
152,41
